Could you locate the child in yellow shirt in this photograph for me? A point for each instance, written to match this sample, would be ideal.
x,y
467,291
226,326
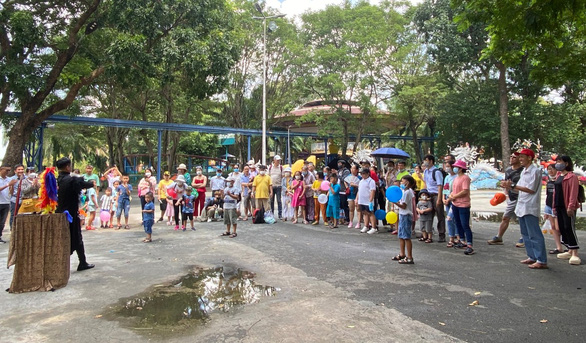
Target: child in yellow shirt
x,y
316,186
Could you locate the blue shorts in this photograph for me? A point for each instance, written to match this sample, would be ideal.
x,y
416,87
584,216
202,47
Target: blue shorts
x,y
123,205
333,211
148,226
405,221
548,210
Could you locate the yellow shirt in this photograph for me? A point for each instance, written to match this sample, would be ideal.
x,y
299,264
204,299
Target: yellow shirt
x,y
316,188
163,188
419,183
262,184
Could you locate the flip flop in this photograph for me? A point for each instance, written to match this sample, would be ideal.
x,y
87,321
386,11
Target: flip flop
x,y
538,265
147,240
225,234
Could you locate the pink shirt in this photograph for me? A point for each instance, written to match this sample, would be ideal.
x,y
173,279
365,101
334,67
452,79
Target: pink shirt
x,y
461,183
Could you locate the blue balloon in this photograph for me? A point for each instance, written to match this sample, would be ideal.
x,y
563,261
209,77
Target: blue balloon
x,y
380,214
394,194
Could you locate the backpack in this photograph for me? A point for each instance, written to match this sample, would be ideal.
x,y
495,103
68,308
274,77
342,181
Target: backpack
x,y
443,173
581,195
258,216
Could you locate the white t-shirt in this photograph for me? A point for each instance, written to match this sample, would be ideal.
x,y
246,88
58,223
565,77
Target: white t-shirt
x,y
407,198
364,188
229,202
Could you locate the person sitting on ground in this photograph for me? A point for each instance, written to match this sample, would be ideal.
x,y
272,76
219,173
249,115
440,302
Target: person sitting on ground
x,y
213,208
148,217
424,208
231,199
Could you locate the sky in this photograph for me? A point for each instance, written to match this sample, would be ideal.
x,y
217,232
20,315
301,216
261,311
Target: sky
x,y
294,8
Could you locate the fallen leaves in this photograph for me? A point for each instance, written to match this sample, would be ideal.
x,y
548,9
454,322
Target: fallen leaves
x,y
98,316
543,321
474,303
442,324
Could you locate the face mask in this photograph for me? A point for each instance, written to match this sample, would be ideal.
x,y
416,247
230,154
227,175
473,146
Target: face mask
x,y
402,186
218,173
456,170
236,170
304,173
297,177
262,172
448,169
147,174
340,166
424,198
198,172
325,175
560,166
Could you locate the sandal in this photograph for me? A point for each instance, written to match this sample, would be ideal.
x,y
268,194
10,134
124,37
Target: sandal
x,y
538,265
234,235
118,227
557,251
126,227
450,245
147,240
294,221
225,234
398,258
305,222
406,261
429,240
422,239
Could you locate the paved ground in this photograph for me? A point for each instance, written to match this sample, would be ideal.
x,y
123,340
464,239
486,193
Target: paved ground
x,y
336,286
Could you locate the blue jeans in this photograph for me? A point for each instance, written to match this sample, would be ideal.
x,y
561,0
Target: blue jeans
x,y
123,206
462,219
405,221
148,226
533,238
451,222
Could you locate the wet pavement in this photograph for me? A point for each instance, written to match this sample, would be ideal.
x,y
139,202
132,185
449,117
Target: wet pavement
x,y
333,286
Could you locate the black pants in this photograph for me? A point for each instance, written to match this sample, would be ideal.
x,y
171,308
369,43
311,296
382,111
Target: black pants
x,y
163,207
142,202
4,211
567,227
178,209
344,205
276,194
440,212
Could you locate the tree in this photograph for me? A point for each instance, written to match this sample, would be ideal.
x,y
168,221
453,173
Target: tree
x,y
50,52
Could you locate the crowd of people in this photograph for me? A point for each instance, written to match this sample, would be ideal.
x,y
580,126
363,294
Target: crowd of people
x,y
348,195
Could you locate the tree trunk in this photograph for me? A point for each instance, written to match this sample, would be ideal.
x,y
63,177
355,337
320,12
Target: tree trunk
x,y
413,129
18,137
504,114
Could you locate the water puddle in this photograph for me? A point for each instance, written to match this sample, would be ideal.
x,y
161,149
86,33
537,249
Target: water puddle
x,y
189,301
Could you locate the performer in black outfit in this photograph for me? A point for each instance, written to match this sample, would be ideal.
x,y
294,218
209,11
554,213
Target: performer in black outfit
x,y
68,200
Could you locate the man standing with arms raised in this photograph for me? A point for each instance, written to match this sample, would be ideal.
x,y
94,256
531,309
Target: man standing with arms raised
x,y
68,200
434,180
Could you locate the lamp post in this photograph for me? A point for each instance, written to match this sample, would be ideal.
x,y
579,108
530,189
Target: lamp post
x,y
289,144
264,78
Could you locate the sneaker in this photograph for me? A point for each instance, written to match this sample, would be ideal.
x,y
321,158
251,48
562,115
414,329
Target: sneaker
x,y
350,225
357,226
520,243
575,260
460,245
209,220
496,240
176,227
469,251
364,229
192,228
371,231
315,223
564,256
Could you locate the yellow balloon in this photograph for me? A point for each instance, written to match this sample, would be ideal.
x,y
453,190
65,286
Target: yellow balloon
x,y
392,217
297,166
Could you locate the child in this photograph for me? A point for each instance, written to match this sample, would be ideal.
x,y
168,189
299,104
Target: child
x,y
298,199
92,203
123,191
106,201
178,187
169,211
405,218
82,207
114,202
188,208
231,197
424,208
333,209
286,194
316,193
148,217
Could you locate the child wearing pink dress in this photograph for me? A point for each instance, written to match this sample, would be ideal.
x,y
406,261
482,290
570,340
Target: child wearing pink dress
x,y
169,211
298,199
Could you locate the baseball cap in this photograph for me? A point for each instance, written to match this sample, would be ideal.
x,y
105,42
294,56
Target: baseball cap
x,y
527,152
277,157
166,173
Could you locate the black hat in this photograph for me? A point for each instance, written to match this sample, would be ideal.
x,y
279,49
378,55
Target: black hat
x,y
424,191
